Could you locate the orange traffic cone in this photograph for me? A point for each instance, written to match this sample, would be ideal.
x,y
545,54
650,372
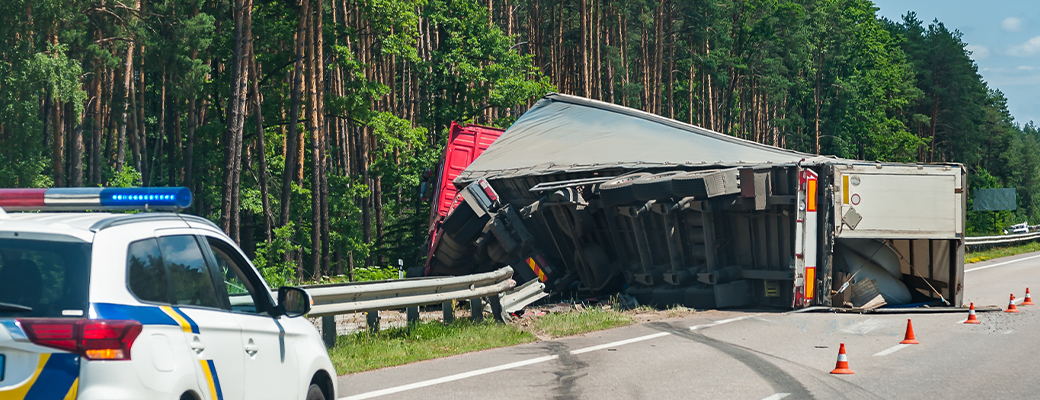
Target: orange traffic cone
x,y
842,367
1011,305
909,338
971,316
1028,301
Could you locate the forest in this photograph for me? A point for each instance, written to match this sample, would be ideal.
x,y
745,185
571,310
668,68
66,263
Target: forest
x,y
308,130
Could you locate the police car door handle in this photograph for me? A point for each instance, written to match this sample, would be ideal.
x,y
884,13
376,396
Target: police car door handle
x,y
197,345
251,348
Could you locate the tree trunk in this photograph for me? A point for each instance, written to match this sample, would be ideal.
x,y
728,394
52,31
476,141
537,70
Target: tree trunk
x,y
58,142
294,115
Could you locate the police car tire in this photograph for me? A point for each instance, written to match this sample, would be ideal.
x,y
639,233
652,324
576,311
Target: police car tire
x,y
314,392
619,190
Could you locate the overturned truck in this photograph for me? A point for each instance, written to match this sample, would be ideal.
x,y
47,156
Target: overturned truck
x,y
595,199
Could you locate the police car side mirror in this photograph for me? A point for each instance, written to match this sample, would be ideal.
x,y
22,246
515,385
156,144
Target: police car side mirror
x,y
293,301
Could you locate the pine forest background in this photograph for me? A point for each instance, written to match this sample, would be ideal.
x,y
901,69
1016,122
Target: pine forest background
x,y
306,128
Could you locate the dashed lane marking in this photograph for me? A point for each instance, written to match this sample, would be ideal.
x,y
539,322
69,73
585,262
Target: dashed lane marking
x,y
717,323
891,350
777,396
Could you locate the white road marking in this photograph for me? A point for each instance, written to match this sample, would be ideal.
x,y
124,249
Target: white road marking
x,y
518,364
891,350
448,378
619,343
777,396
999,264
717,323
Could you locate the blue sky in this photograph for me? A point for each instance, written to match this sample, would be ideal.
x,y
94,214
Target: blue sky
x,y
1004,37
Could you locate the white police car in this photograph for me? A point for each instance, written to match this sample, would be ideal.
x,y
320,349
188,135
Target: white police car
x,y
143,306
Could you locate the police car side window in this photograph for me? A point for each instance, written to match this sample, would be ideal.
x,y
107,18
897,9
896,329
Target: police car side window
x,y
171,270
147,273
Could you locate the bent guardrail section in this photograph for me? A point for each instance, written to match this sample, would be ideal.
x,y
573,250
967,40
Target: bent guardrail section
x,y
344,298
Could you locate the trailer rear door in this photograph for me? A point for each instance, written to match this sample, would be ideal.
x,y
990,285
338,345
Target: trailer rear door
x,y
899,202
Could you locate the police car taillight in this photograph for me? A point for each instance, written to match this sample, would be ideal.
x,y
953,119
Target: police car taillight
x,y
93,339
77,199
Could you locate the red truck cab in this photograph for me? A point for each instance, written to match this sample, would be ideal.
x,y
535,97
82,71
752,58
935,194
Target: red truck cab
x,y
465,144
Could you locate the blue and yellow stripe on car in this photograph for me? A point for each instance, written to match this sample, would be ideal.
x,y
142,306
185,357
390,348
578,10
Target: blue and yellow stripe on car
x,y
210,370
56,377
147,315
182,319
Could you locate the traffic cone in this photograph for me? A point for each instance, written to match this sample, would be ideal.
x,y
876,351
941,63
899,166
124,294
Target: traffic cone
x,y
1011,305
1028,301
842,367
909,338
971,316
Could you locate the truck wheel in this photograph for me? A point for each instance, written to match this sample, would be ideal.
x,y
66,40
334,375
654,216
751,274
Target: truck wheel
x,y
448,241
497,253
656,186
314,393
690,184
450,256
619,190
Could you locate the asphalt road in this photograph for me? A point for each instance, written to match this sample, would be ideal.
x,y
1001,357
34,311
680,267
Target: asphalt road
x,y
748,355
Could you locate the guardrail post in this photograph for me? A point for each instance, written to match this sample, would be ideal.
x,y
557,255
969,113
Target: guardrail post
x,y
448,308
496,308
372,320
328,330
476,309
413,315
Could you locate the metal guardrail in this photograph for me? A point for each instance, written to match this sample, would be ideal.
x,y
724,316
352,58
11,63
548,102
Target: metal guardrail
x,y
1001,239
371,297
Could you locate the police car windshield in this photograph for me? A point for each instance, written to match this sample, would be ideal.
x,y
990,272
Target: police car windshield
x,y
41,278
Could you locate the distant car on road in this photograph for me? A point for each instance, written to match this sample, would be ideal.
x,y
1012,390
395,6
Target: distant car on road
x,y
143,306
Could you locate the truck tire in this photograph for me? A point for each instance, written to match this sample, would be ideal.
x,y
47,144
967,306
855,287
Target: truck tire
x,y
450,257
447,241
497,253
656,186
690,184
619,190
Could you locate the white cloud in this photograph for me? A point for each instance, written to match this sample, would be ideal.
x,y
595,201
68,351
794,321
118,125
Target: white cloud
x,y
978,52
1025,68
1029,48
1012,24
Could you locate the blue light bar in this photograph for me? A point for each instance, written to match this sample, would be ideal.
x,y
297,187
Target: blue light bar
x,y
153,198
81,199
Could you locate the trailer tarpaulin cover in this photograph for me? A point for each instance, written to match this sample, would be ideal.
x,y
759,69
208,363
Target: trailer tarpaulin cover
x,y
995,200
564,133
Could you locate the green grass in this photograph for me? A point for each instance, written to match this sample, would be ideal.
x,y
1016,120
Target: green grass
x,y
998,252
574,323
428,340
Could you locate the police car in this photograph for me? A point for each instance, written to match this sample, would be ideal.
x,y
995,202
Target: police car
x,y
152,305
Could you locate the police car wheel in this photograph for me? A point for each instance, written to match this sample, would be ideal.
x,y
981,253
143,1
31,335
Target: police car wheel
x,y
314,393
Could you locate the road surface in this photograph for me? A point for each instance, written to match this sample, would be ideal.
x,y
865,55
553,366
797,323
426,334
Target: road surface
x,y
756,355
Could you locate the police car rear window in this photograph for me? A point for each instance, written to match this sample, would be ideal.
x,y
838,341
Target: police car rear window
x,y
41,278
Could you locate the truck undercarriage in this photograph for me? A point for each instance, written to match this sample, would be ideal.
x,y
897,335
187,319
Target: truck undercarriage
x,y
787,231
